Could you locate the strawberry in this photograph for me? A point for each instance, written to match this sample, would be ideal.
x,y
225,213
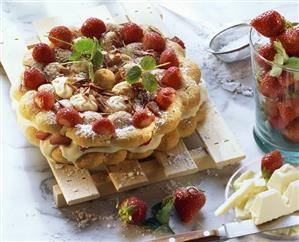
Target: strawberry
x,y
43,53
154,41
271,107
143,118
61,36
41,135
269,24
169,55
132,210
33,78
44,100
270,87
286,79
103,126
68,117
291,132
289,40
172,77
288,109
277,122
268,52
271,162
131,32
58,139
178,41
187,202
165,97
93,27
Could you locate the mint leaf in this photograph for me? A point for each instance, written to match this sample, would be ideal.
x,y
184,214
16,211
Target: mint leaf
x,y
276,70
148,63
97,59
90,71
84,46
280,50
149,82
163,214
151,223
133,75
96,47
75,56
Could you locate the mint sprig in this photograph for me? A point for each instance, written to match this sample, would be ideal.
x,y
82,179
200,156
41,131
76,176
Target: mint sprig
x,y
148,80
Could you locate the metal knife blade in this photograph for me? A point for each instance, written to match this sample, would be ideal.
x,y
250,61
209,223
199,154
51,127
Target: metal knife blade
x,y
247,227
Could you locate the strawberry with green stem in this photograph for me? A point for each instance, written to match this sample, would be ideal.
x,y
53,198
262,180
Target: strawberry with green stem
x,y
271,162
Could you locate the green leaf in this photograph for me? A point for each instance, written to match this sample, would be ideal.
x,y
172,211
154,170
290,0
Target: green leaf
x,y
164,229
280,50
164,213
149,82
148,63
151,223
97,59
90,71
96,47
293,63
276,70
75,56
84,46
133,75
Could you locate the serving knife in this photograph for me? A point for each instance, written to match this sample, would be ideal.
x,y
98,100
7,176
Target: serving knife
x,y
232,230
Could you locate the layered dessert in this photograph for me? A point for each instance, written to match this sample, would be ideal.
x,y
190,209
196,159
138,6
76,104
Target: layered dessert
x,y
105,93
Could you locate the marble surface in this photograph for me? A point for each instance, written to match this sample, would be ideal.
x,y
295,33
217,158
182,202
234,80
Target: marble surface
x,y
27,210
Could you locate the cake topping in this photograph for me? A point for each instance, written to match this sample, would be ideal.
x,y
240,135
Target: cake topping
x,y
172,78
90,116
43,53
169,55
119,103
121,119
44,100
46,87
68,117
131,32
178,41
93,27
33,78
61,36
62,87
103,126
165,97
83,102
143,118
104,78
154,41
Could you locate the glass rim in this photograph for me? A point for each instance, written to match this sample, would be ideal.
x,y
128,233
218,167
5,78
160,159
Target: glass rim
x,y
263,58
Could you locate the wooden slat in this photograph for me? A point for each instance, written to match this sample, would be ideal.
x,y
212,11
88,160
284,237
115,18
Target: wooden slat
x,y
58,197
127,175
218,139
177,161
76,184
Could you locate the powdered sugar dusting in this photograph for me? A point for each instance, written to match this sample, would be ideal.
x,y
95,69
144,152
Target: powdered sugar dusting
x,y
85,130
122,132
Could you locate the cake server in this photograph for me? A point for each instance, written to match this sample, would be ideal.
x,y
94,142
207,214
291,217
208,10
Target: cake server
x,y
232,230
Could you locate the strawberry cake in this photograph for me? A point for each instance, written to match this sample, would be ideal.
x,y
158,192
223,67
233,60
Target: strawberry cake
x,y
105,93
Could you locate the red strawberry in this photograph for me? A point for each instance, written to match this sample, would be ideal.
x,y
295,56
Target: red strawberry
x,y
33,78
172,77
271,107
143,118
61,36
44,100
58,139
271,162
268,52
132,210
103,126
154,41
269,24
93,27
270,87
165,97
286,79
277,122
41,135
43,53
289,109
290,40
178,41
131,32
188,201
68,117
169,55
292,131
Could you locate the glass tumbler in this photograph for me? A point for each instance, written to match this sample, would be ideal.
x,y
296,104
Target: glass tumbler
x,y
276,102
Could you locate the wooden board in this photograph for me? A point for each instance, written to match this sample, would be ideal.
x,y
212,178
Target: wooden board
x,y
211,146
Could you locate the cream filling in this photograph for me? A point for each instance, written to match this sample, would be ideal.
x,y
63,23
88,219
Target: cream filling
x,y
84,103
62,89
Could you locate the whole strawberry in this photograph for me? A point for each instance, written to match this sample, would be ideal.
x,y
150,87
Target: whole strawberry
x,y
187,202
268,52
269,24
290,41
271,162
132,210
